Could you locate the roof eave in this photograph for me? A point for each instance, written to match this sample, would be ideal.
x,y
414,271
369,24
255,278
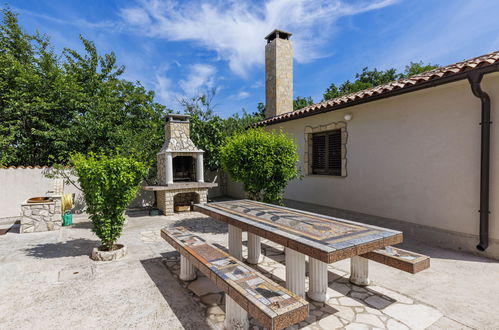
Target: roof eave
x,y
394,92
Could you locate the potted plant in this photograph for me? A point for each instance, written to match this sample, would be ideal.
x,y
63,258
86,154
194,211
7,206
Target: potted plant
x,y
109,184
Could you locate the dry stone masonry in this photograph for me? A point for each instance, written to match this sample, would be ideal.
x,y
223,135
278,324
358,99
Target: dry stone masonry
x,y
190,188
167,199
278,74
41,216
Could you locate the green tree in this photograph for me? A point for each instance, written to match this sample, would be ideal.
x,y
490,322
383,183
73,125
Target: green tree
x,y
53,105
301,102
416,68
263,161
30,80
109,183
366,79
260,110
208,130
371,78
110,112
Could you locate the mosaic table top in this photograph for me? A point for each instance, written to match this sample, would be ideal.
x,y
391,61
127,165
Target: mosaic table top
x,y
325,238
274,306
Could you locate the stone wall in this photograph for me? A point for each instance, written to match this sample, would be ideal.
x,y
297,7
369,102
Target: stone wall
x,y
177,130
41,216
278,77
166,198
186,198
177,137
17,184
161,168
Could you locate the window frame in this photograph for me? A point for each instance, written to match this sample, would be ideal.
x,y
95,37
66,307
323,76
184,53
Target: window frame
x,y
339,170
332,166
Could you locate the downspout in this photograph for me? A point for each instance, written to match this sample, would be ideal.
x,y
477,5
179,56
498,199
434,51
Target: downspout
x,y
475,78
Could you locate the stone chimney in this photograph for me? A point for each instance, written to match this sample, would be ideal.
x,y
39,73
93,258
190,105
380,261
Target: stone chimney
x,y
180,170
278,74
178,135
179,145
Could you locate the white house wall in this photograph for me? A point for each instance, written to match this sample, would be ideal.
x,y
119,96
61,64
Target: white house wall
x,y
413,157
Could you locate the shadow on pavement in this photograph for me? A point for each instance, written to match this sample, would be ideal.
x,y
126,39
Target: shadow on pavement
x,y
137,213
185,309
71,248
203,225
82,225
338,283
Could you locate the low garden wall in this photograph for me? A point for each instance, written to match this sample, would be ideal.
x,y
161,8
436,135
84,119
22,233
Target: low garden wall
x,y
17,184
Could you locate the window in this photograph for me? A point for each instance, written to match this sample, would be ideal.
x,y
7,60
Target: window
x,y
326,153
325,149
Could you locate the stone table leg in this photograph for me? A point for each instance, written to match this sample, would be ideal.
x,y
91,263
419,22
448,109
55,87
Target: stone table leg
x,y
236,242
318,280
295,272
187,269
236,318
359,271
254,249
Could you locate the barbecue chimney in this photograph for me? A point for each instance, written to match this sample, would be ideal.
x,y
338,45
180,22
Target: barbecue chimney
x,y
180,169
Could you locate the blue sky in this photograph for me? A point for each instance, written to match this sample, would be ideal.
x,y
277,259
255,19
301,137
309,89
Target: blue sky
x,y
183,48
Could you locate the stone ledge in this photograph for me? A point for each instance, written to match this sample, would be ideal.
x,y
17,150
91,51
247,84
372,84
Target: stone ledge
x,y
181,185
98,255
34,204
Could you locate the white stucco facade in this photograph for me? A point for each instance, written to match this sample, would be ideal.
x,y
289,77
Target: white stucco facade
x,y
413,158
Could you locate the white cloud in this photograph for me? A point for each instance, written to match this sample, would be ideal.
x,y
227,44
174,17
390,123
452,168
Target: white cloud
x,y
163,89
200,78
135,16
257,84
235,29
240,96
82,23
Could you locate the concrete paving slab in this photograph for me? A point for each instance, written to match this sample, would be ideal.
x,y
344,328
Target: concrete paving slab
x,y
48,281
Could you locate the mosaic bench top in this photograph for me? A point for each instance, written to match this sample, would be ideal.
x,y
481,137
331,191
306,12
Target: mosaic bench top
x,y
404,260
325,238
272,305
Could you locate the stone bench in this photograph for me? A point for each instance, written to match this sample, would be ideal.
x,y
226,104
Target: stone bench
x,y
404,260
247,291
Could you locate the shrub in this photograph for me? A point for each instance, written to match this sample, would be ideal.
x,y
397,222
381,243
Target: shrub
x,y
109,184
263,161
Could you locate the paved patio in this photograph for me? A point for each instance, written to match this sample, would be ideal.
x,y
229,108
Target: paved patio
x,y
47,280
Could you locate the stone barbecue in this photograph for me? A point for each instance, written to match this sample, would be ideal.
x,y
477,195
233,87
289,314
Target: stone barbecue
x,y
44,216
180,169
43,213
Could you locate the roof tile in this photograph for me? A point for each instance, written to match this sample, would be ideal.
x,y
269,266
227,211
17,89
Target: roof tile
x,y
449,70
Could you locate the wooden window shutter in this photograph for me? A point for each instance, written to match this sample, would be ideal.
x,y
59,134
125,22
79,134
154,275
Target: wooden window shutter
x,y
319,154
334,152
326,153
